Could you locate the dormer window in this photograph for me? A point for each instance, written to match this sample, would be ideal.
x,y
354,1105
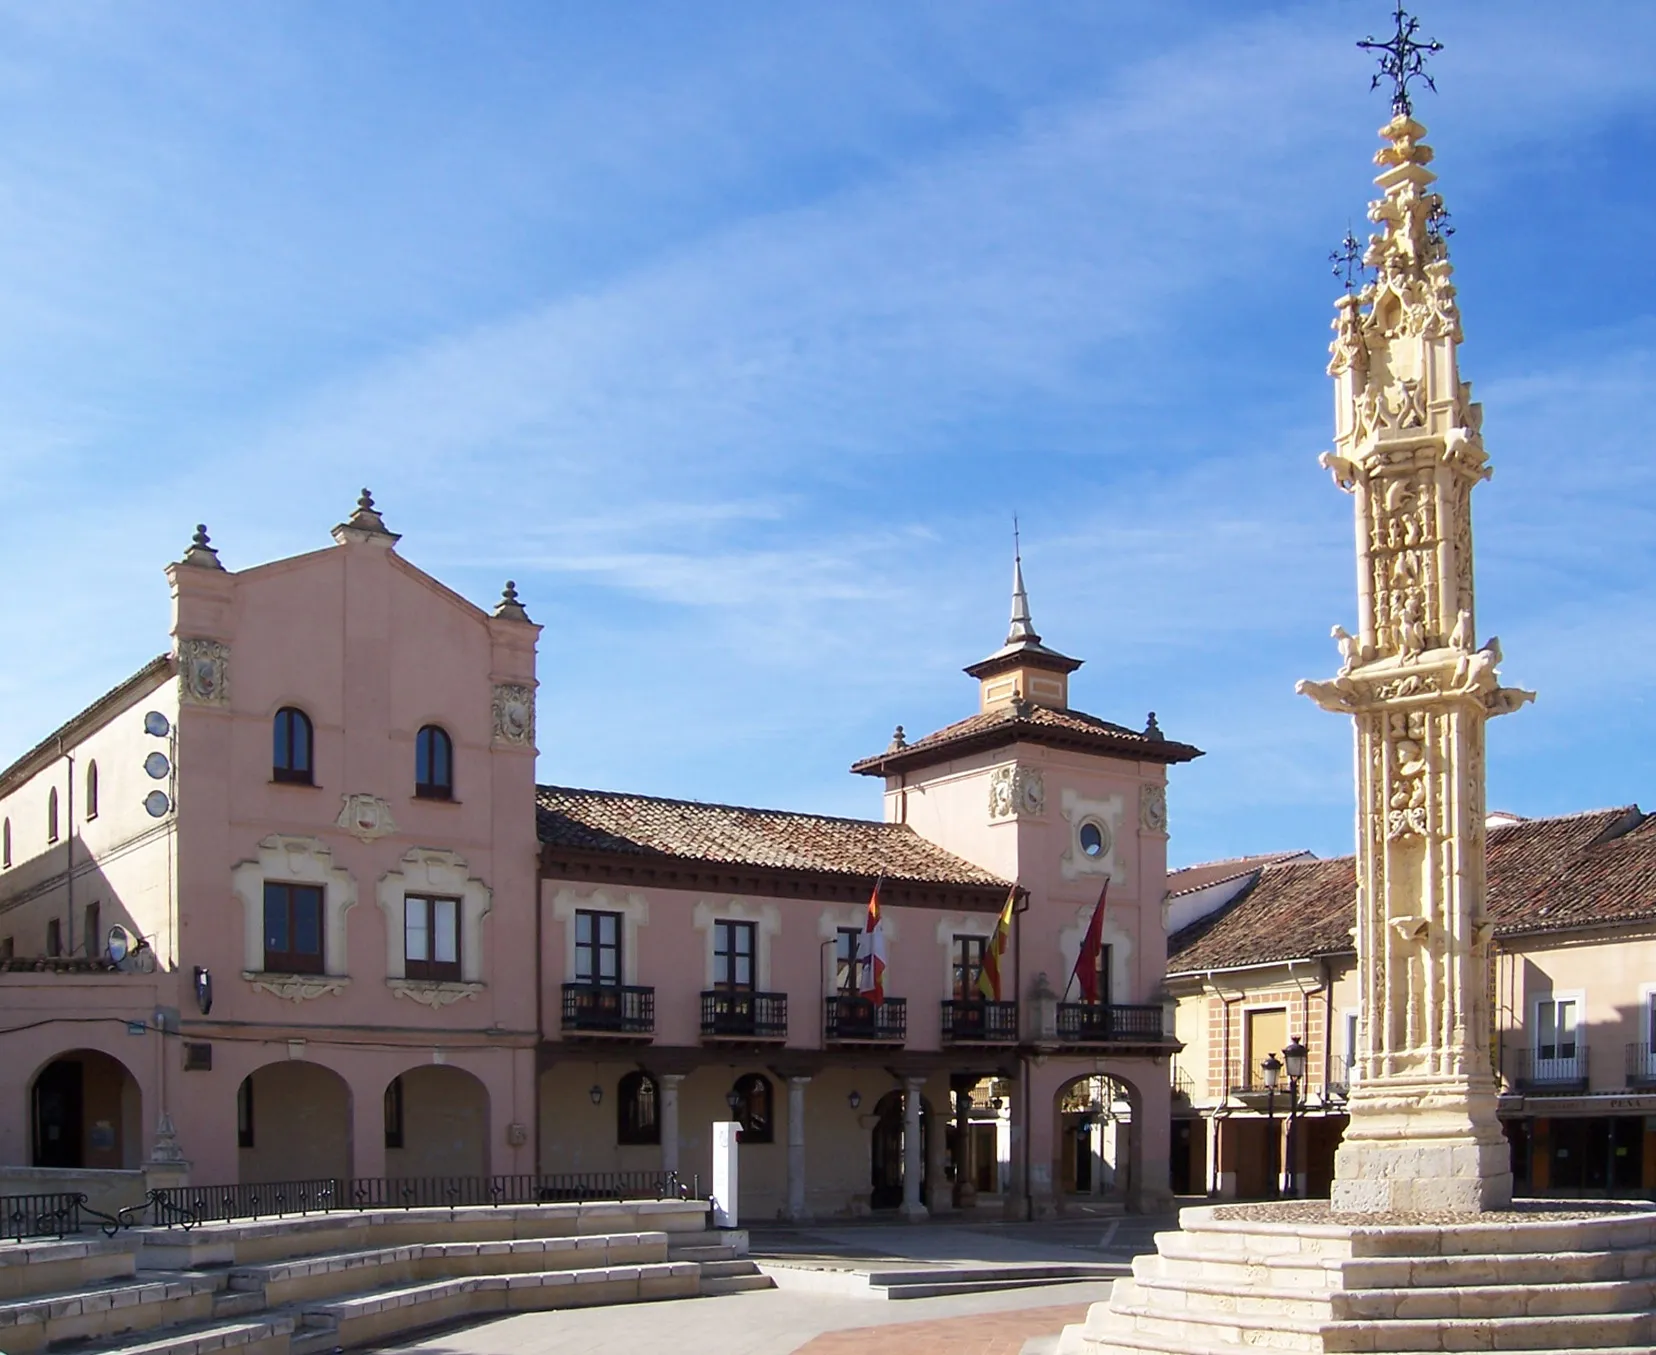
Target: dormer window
x,y
291,747
433,764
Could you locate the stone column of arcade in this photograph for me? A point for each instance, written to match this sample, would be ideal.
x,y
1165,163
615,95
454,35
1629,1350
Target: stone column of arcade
x,y
1422,1196
670,1083
796,1147
913,1159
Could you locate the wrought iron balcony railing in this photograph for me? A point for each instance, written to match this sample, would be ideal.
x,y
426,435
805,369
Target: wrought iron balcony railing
x,y
608,1009
847,1017
1109,1023
1339,1077
1641,1065
1184,1086
977,1022
1557,1067
733,1014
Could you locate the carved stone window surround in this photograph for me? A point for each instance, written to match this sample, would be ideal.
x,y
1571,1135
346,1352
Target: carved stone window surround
x,y
1109,810
635,914
293,859
433,871
435,993
768,917
297,987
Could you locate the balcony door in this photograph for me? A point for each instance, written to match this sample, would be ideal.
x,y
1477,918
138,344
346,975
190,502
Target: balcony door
x,y
968,965
734,951
598,949
1557,1053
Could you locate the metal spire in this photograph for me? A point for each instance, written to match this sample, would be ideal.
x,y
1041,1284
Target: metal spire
x,y
1022,627
1402,59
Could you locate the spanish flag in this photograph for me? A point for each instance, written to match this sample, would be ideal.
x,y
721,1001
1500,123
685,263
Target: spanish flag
x,y
875,987
989,978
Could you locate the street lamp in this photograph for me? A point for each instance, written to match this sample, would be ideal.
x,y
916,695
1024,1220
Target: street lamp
x,y
1272,1068
1293,1057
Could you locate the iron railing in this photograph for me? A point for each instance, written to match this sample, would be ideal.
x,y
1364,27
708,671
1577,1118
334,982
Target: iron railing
x,y
1339,1077
980,1022
1641,1065
608,1009
731,1014
1108,1023
847,1017
190,1205
1184,1086
1546,1068
50,1215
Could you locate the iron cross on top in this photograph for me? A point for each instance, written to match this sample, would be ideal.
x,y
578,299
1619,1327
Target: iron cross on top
x,y
1402,59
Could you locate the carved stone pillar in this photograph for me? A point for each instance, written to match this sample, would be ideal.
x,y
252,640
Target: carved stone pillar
x,y
913,1150
669,1083
796,1147
1409,448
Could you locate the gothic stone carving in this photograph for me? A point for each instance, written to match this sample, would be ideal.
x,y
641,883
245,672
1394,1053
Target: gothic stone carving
x,y
514,714
204,672
1016,791
1153,808
366,817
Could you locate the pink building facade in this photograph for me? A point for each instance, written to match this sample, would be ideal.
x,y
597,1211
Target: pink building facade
x,y
357,940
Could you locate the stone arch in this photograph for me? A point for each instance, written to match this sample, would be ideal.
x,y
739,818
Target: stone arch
x,y
1098,1139
436,1123
86,1110
293,1123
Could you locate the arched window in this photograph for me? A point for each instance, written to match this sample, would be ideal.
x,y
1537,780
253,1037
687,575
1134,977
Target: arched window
x,y
5,845
433,764
637,1110
291,752
753,1108
51,816
92,789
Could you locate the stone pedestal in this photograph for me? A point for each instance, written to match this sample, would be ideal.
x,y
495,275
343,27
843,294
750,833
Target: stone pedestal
x,y
1422,1144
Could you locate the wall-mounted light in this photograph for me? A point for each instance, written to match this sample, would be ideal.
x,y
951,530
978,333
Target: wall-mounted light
x,y
203,989
597,1094
855,1099
733,1099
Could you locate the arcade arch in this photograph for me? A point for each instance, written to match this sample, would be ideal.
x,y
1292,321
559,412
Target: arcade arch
x,y
436,1123
86,1110
293,1123
1097,1138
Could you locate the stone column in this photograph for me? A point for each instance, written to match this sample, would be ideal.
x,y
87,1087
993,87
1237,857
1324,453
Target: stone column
x,y
669,1084
913,1159
936,1148
965,1184
796,1147
1016,1197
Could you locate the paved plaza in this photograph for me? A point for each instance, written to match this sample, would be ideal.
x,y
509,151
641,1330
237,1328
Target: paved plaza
x,y
781,1321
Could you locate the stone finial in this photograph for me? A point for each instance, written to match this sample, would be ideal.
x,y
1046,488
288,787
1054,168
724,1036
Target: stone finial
x,y
201,553
509,608
1152,730
365,524
899,740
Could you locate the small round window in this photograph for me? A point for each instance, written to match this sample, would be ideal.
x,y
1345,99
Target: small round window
x,y
1095,839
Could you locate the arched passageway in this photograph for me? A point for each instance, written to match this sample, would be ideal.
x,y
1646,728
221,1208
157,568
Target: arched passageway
x,y
436,1123
293,1123
86,1111
886,1152
1098,1145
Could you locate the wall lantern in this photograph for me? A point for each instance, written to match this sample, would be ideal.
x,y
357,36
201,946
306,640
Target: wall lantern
x,y
203,989
733,1099
854,1100
597,1094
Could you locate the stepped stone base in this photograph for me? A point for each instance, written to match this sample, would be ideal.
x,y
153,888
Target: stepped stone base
x,y
1540,1276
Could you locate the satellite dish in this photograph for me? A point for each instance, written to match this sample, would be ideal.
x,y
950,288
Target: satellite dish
x,y
157,803
157,724
157,766
118,944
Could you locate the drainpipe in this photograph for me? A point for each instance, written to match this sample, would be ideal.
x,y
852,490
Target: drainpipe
x,y
69,850
540,1010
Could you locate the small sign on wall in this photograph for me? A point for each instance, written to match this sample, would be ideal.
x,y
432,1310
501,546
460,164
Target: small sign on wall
x,y
137,1027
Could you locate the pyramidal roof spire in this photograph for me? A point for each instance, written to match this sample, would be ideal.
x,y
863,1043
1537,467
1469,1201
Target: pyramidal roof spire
x,y
1022,628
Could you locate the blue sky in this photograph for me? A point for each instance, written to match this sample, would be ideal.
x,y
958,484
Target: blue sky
x,y
736,333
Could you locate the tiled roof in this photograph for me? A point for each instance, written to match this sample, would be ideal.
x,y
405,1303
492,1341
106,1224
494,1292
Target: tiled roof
x,y
1031,724
773,839
1578,870
1188,879
71,730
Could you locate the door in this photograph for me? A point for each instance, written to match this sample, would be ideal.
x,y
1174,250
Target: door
x,y
1179,1157
57,1115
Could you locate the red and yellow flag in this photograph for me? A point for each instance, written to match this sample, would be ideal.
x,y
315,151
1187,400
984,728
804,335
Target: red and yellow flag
x,y
989,977
1092,946
874,984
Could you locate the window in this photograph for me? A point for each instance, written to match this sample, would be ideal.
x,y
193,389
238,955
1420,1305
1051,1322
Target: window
x,y
853,962
54,937
431,937
1555,1031
733,947
1267,1035
753,1107
433,764
244,1113
636,1117
394,1113
5,844
92,789
8,948
52,816
291,747
292,929
1094,838
93,930
1105,964
968,964
597,948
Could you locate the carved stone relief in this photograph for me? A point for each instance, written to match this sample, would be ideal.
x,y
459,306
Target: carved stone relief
x,y
1153,808
514,714
434,993
298,987
366,817
1016,791
1406,736
204,672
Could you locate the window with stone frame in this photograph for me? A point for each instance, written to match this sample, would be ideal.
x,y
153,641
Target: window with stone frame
x,y
597,948
431,937
637,1110
293,928
735,949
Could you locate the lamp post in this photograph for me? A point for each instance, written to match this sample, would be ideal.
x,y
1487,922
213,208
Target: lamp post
x,y
1272,1068
1293,1058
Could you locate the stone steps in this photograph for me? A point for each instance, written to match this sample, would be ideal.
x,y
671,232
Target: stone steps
x,y
267,1335
49,1266
145,1301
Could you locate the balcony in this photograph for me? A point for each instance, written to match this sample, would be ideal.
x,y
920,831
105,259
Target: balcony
x,y
608,1009
1184,1086
980,1022
1339,1077
1107,1023
1641,1065
1549,1069
738,1015
848,1019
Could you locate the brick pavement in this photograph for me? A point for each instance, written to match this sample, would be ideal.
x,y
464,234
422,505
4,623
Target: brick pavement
x,y
981,1334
